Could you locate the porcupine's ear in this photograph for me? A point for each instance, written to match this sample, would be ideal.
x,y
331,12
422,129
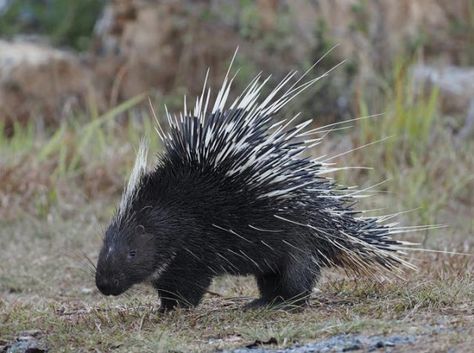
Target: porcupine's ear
x,y
138,171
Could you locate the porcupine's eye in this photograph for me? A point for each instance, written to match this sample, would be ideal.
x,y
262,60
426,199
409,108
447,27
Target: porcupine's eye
x,y
131,254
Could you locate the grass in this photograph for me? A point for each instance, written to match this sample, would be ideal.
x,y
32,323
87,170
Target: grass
x,y
58,191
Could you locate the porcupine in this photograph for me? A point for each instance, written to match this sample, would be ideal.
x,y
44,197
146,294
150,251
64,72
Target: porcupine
x,y
232,194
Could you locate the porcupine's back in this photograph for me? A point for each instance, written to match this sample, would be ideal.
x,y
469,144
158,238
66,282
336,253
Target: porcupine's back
x,y
241,175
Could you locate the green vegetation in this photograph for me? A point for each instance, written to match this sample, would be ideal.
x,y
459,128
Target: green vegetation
x,y
66,22
417,153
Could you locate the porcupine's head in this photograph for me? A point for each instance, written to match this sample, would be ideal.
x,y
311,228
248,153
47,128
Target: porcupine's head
x,y
135,245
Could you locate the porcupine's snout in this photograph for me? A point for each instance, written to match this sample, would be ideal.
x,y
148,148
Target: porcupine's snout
x,y
108,286
108,281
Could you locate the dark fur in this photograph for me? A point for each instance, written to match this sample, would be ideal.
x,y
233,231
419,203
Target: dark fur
x,y
193,219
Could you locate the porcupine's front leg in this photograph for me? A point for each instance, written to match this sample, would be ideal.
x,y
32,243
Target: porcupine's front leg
x,y
291,287
182,285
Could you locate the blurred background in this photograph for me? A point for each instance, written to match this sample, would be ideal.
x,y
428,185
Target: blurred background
x,y
75,78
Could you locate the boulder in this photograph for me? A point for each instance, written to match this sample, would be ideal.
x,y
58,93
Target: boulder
x,y
41,83
455,84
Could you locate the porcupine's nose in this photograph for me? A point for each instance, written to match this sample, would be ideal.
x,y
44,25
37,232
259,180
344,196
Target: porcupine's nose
x,y
108,286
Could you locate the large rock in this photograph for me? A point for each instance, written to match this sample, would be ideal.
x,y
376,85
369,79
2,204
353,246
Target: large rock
x,y
455,84
39,82
456,91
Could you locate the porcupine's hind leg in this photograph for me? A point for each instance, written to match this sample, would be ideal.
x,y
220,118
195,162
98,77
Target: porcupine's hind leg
x,y
291,287
183,284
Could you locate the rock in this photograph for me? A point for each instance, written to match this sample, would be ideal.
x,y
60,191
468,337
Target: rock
x,y
27,342
40,82
339,343
86,290
455,84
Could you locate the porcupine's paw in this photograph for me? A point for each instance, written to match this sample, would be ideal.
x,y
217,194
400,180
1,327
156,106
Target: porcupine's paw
x,y
168,304
277,304
171,302
174,299
181,289
289,289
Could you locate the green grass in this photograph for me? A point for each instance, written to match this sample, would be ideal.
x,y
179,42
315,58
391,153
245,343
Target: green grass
x,y
411,116
66,23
